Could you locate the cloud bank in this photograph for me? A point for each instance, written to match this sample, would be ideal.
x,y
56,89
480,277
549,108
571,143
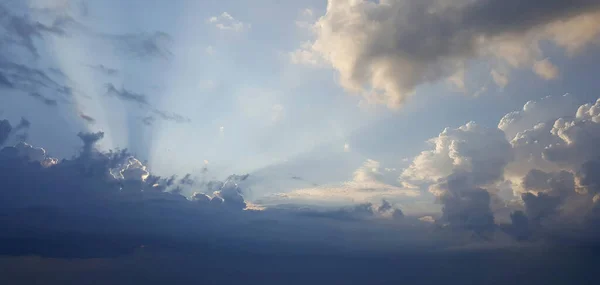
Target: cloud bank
x,y
545,154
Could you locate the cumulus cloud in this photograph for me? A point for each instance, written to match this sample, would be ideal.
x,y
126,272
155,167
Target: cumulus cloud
x,y
385,49
545,110
546,154
547,192
226,22
483,152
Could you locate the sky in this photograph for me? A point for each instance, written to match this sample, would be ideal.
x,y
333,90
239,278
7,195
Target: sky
x,y
151,138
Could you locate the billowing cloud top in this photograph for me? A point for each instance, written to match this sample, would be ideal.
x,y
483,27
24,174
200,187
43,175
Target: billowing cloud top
x,y
385,49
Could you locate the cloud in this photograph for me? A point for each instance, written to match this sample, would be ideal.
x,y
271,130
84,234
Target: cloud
x,y
483,152
126,95
366,186
43,99
5,130
22,31
88,119
545,110
500,79
101,68
384,50
142,99
32,82
548,191
171,116
142,45
550,165
226,22
545,69
107,207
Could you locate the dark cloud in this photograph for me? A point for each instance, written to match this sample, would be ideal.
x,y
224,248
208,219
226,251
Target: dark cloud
x,y
5,130
22,31
187,180
148,121
5,82
104,70
106,213
588,176
89,141
41,98
32,82
87,119
143,45
142,100
171,117
466,205
126,95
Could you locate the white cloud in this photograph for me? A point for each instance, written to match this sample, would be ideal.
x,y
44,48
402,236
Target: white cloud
x,y
470,148
545,69
227,22
346,147
210,50
131,170
385,49
499,78
366,186
545,110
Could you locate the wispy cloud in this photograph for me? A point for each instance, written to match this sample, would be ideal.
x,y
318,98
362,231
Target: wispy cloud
x,y
226,22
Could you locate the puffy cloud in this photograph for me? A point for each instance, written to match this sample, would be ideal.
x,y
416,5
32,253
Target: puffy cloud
x,y
131,170
231,193
550,190
226,22
579,137
545,69
588,177
30,152
481,151
462,163
385,49
89,141
545,110
465,205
